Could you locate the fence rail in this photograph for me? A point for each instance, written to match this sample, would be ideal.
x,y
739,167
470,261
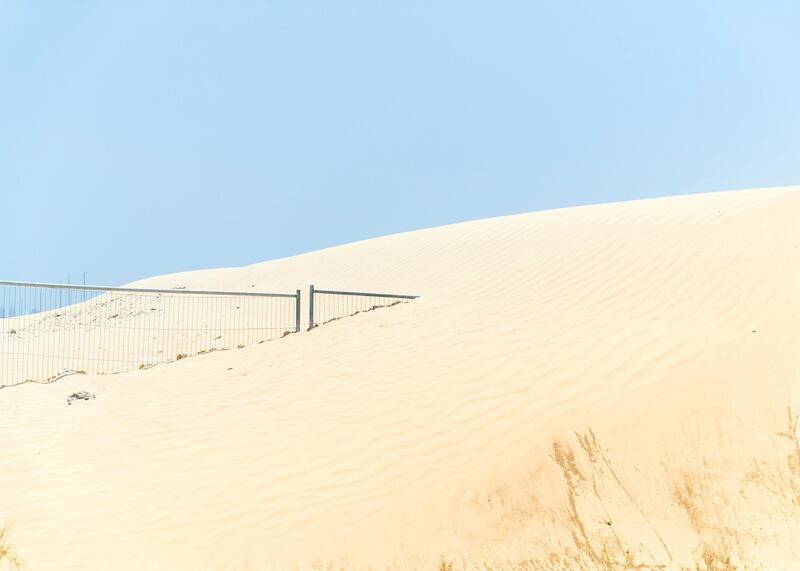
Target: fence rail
x,y
51,330
336,304
144,290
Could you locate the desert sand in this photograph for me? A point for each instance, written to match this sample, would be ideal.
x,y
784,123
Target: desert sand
x,y
611,386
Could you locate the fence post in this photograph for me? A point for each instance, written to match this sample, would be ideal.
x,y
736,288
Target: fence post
x,y
311,307
297,312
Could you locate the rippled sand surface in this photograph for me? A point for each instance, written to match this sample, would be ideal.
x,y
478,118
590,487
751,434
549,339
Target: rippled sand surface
x,y
608,386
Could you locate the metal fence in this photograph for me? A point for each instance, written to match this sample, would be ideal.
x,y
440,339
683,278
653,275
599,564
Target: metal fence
x,y
325,305
50,330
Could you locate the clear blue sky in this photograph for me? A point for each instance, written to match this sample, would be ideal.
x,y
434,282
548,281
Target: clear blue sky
x,y
140,138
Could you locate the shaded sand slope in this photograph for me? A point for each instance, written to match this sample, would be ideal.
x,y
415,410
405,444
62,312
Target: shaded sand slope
x,y
611,385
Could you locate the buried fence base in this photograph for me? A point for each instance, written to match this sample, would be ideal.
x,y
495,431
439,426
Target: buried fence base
x,y
350,307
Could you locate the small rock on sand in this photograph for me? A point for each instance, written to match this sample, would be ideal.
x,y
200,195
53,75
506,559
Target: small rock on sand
x,y
80,395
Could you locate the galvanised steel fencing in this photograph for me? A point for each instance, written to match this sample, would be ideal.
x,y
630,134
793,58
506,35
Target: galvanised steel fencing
x,y
48,331
325,305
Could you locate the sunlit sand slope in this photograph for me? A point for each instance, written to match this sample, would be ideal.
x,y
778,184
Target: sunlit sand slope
x,y
594,387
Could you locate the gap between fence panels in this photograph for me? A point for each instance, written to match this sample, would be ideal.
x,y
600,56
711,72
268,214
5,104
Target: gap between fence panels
x,y
48,331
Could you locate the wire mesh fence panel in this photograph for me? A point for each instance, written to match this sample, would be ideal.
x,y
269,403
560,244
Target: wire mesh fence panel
x,y
329,305
49,331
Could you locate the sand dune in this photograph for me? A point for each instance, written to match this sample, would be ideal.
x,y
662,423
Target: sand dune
x,y
598,387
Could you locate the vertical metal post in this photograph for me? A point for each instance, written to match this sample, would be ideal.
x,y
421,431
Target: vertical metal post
x,y
297,312
311,307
